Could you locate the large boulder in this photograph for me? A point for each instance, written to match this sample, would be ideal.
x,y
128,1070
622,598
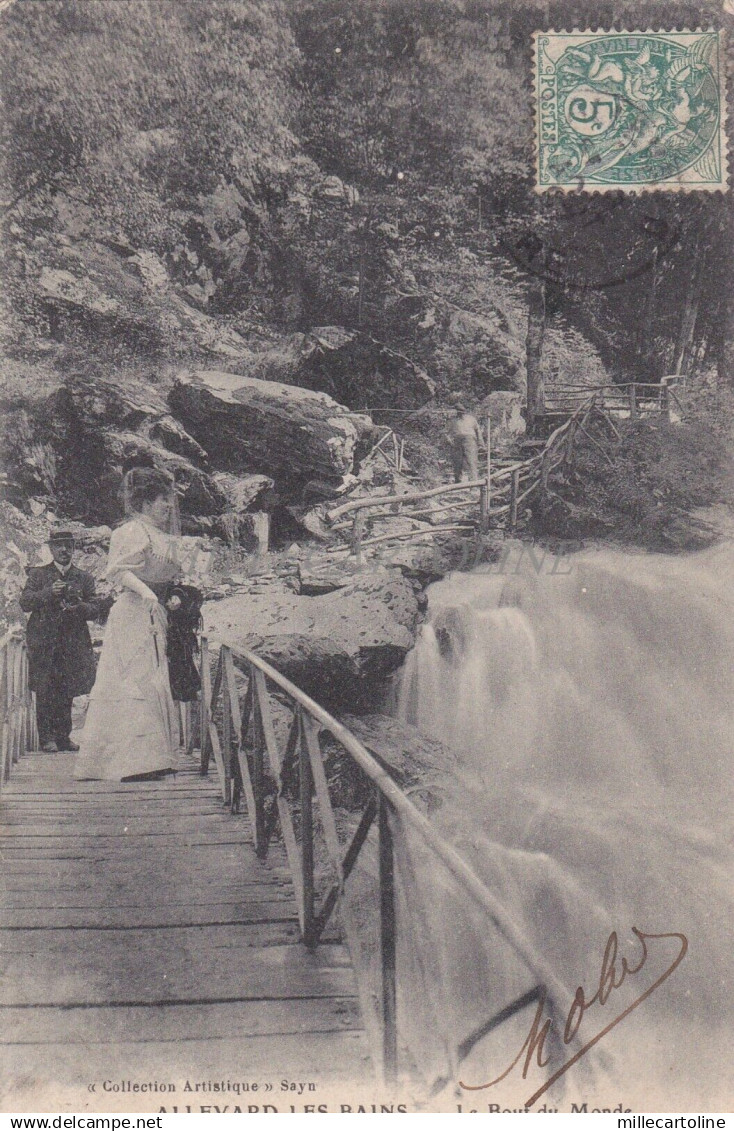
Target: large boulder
x,y
292,434
69,441
339,648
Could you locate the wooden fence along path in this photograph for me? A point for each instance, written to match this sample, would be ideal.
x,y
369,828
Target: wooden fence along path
x,y
629,400
496,499
18,716
201,930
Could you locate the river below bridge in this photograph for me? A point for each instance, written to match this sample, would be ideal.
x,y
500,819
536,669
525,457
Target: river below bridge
x,y
591,707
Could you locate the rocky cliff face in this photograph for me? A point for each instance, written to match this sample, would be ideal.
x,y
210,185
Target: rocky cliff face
x,y
224,437
93,378
112,290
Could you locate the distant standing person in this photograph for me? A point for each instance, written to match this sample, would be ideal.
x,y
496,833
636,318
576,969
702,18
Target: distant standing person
x,y
466,439
61,599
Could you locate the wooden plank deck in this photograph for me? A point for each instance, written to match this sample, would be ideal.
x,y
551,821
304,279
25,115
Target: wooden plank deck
x,y
142,939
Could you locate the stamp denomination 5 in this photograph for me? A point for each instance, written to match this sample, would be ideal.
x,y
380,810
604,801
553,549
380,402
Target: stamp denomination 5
x,y
630,110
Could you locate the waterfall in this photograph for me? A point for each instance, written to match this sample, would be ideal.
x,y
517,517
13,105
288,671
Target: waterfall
x,y
592,710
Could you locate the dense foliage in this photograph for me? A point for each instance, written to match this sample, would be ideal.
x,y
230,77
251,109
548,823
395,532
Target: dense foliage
x,y
647,481
423,104
155,124
323,162
144,107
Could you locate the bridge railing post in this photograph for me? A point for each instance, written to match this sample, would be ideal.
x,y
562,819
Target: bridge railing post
x,y
4,714
258,764
307,847
483,508
357,535
204,702
514,493
16,713
488,471
226,728
17,703
544,474
388,944
24,744
189,720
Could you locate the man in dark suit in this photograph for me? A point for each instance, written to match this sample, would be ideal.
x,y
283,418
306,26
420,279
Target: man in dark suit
x,y
61,599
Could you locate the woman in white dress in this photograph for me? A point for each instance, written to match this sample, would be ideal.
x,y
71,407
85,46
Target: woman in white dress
x,y
131,729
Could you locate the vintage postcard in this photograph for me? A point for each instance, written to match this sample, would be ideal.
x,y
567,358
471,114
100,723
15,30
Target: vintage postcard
x,y
366,389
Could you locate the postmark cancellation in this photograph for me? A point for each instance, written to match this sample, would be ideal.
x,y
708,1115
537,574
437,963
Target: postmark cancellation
x,y
630,111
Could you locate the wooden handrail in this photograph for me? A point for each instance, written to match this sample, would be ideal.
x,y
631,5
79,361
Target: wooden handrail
x,y
492,481
455,864
416,496
611,385
17,702
583,397
502,483
413,496
249,742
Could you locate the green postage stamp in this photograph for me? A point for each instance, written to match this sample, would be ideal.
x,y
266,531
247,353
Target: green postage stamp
x,y
630,110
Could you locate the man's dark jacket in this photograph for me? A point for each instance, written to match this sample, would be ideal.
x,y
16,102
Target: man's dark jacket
x,y
58,638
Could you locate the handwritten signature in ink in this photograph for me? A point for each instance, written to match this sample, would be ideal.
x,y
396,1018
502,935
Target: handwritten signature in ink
x,y
614,972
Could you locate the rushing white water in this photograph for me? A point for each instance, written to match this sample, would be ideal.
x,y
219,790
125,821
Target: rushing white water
x,y
592,708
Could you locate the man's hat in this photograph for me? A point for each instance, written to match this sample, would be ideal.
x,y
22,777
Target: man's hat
x,y
61,534
456,400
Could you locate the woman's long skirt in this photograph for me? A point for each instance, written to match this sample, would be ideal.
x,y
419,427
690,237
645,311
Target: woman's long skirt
x,y
131,726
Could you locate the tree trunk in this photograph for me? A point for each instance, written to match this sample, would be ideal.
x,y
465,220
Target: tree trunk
x,y
360,292
685,336
689,314
725,351
534,355
646,337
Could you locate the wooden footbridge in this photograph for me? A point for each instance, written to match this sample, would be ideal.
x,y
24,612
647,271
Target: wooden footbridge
x,y
154,940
